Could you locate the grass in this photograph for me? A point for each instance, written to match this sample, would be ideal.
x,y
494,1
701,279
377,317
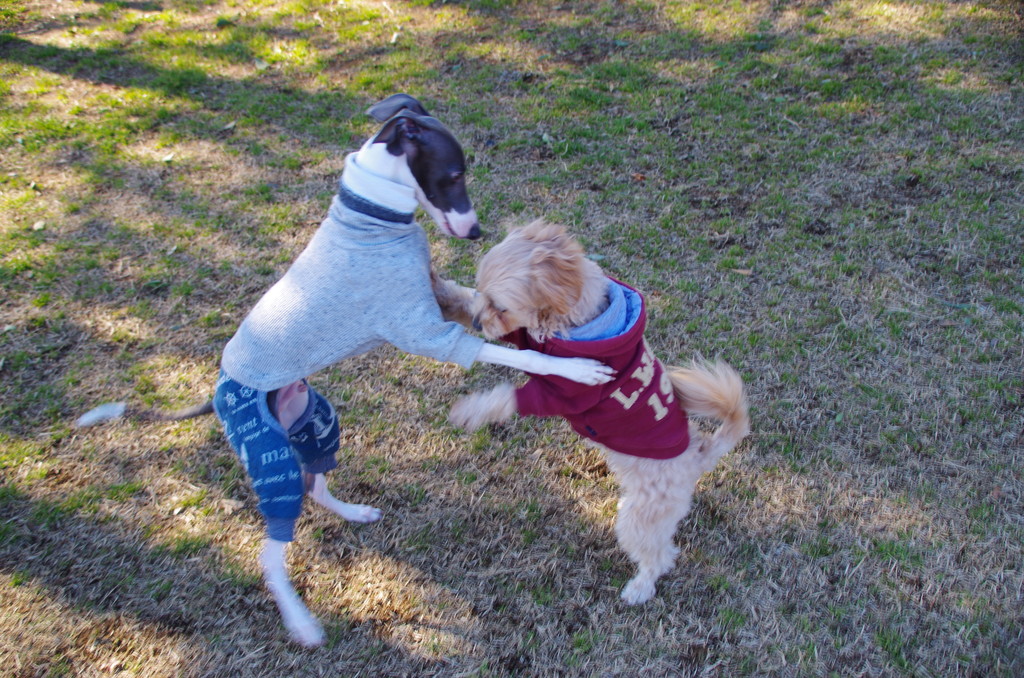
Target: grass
x,y
826,195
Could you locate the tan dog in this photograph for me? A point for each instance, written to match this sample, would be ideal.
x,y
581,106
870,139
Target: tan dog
x,y
537,290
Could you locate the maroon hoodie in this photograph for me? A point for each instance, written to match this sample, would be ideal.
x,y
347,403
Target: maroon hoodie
x,y
636,413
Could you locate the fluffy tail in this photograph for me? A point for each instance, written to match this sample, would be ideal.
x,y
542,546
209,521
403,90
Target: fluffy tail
x,y
715,390
110,411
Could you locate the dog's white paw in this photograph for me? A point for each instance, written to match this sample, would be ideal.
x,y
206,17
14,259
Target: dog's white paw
x,y
354,513
638,591
306,632
358,513
484,407
468,413
587,371
302,626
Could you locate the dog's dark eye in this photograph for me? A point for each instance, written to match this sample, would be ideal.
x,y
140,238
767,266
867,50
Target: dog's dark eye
x,y
456,177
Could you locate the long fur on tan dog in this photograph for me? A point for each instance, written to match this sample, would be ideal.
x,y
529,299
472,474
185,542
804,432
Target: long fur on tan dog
x,y
539,280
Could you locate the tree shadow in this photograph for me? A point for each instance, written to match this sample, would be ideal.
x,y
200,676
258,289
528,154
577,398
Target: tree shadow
x,y
99,570
107,579
622,58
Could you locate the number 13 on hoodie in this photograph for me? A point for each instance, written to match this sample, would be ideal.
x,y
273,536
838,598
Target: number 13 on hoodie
x,y
645,373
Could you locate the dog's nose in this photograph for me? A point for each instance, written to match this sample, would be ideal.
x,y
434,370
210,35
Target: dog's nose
x,y
474,233
476,324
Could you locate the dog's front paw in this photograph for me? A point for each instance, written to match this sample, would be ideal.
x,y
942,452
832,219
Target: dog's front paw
x,y
585,371
454,300
638,590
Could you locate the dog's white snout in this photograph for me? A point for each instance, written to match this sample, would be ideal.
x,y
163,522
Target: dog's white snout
x,y
463,225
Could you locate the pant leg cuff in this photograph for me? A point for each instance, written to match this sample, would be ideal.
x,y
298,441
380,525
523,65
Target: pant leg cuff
x,y
321,465
281,529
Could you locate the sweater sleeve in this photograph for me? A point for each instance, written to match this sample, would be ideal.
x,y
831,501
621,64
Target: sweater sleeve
x,y
517,338
415,325
532,399
546,396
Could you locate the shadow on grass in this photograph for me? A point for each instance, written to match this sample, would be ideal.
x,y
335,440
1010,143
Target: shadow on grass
x,y
102,573
450,567
308,117
601,120
94,568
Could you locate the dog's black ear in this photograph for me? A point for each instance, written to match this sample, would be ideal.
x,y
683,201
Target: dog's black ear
x,y
384,110
398,132
398,127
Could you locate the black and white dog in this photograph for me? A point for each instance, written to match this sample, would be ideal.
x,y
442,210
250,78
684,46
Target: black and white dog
x,y
364,280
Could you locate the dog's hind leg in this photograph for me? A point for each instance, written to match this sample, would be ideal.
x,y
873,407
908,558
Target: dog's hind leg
x,y
356,513
301,624
645,531
483,407
656,495
312,426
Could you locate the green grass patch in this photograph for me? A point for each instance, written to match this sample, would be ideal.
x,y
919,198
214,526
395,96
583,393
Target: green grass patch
x,y
824,195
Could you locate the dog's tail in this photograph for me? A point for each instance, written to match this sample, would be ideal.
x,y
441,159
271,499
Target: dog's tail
x,y
715,390
110,411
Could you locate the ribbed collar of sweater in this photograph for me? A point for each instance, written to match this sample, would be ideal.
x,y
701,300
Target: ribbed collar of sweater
x,y
363,191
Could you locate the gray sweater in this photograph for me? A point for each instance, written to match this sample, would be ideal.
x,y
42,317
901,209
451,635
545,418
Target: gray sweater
x,y
363,280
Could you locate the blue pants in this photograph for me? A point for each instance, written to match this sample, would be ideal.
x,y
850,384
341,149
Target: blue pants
x,y
274,458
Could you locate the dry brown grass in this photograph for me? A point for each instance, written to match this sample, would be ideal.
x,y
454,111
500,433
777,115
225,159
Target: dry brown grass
x,y
859,163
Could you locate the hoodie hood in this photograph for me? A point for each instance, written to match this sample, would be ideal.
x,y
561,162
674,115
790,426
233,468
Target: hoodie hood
x,y
624,308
